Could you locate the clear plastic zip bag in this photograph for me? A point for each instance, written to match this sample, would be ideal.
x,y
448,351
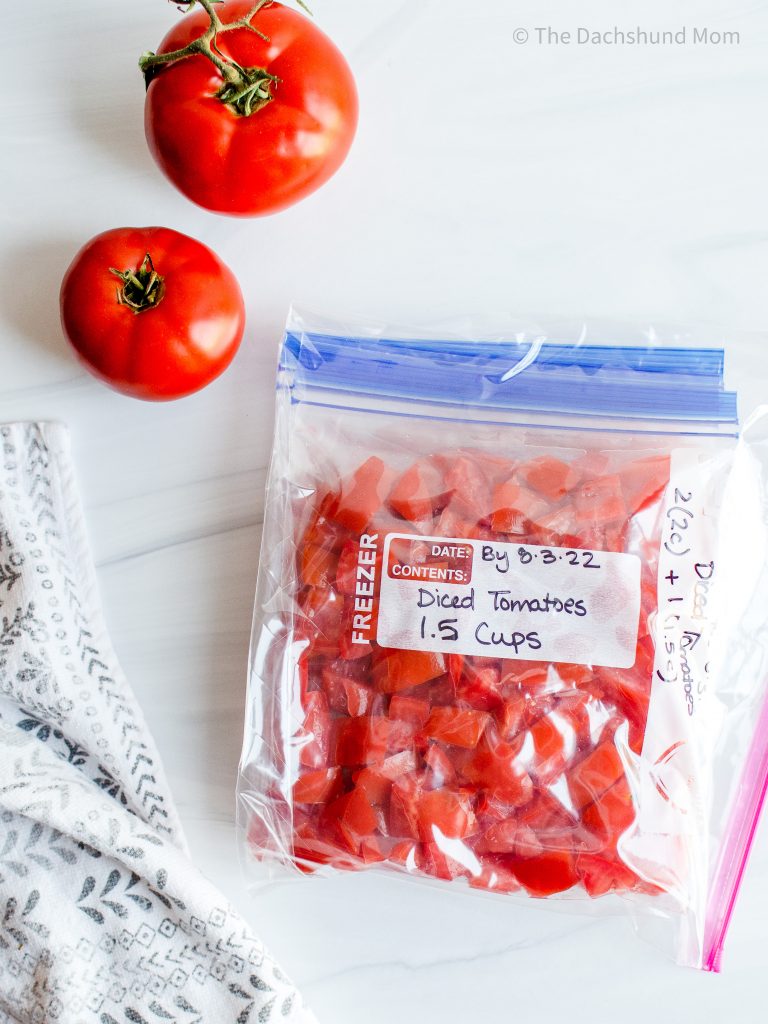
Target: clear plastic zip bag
x,y
511,625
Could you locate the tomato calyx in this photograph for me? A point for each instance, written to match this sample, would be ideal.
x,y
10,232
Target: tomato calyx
x,y
251,93
245,90
142,289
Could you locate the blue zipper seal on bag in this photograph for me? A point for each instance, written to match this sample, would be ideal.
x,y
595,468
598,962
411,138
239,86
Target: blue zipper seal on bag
x,y
653,382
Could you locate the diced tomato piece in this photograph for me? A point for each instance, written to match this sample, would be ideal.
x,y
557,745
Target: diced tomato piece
x,y
547,874
440,693
599,502
407,854
302,672
409,709
363,494
478,685
402,670
361,741
372,850
321,619
349,647
630,691
511,716
496,876
403,805
452,523
601,875
529,842
648,604
470,490
315,734
367,740
490,807
346,569
441,771
398,765
573,675
554,826
592,464
359,698
441,812
549,476
455,666
317,566
515,508
355,817
377,779
572,707
321,531
510,837
420,492
317,787
549,744
351,571
310,845
559,528
333,685
495,467
375,785
642,480
457,727
611,813
529,675
596,773
495,767
439,863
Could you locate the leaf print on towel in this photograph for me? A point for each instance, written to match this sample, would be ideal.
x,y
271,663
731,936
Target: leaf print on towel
x,y
107,899
5,538
73,753
24,621
18,924
108,784
113,896
48,854
11,857
40,729
31,682
37,674
9,572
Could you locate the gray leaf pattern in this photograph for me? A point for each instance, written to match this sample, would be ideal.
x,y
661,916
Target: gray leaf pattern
x,y
101,912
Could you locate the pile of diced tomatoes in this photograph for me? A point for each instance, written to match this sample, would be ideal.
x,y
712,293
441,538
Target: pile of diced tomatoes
x,y
508,774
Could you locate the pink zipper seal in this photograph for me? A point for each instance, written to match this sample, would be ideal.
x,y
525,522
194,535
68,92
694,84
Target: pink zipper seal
x,y
753,787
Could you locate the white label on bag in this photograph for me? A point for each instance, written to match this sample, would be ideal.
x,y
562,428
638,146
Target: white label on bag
x,y
685,582
500,600
672,816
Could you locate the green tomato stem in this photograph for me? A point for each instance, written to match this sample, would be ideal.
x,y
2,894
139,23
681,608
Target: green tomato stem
x,y
142,289
245,90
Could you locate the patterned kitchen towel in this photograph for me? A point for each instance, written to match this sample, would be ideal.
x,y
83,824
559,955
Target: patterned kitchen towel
x,y
103,919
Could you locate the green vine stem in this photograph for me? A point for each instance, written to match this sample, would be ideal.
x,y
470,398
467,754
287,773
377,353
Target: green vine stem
x,y
142,289
245,90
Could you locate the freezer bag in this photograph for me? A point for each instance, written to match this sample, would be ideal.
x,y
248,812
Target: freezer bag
x,y
510,627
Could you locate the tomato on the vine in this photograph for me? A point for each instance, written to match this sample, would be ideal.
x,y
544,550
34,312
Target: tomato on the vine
x,y
249,107
153,313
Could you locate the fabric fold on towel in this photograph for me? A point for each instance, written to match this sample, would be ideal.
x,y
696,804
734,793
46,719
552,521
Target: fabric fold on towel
x,y
103,917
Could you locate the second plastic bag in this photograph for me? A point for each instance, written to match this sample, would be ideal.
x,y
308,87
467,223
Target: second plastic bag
x,y
503,624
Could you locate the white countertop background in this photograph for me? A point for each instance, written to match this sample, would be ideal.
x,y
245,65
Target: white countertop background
x,y
487,175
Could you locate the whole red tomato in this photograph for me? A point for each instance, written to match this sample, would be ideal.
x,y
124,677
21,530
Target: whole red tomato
x,y
266,127
153,313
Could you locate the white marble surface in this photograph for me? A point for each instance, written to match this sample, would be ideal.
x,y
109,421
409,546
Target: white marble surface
x,y
619,182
